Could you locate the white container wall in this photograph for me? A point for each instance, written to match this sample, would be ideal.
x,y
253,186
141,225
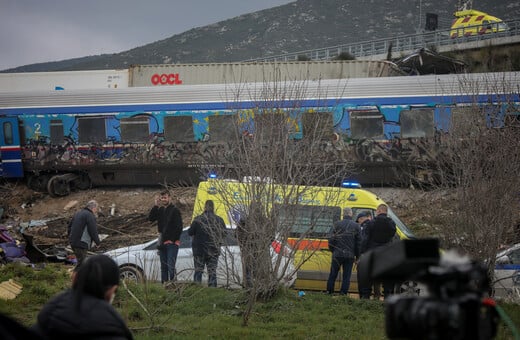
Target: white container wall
x,y
223,73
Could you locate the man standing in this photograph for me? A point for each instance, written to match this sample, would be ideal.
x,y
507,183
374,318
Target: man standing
x,y
169,226
208,232
82,230
363,219
345,245
380,232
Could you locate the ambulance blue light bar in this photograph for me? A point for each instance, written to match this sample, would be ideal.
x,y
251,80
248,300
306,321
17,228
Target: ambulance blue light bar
x,y
212,175
350,184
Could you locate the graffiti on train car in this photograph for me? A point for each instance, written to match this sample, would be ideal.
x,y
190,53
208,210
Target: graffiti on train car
x,y
383,143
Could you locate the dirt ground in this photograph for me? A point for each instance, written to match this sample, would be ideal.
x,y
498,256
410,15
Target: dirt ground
x,y
46,218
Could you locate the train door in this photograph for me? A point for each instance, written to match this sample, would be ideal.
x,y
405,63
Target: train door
x,y
10,151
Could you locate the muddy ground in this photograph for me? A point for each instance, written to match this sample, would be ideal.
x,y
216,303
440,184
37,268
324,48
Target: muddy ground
x,y
46,217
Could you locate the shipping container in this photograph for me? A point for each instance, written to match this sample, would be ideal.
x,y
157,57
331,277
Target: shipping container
x,y
63,80
225,73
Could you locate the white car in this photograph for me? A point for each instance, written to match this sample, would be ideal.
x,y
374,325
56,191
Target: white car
x,y
507,273
141,262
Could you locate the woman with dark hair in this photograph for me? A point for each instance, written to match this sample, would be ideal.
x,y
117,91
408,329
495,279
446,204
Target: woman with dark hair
x,y
85,311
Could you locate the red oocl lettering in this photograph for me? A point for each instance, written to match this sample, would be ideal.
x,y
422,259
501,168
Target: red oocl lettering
x,y
164,79
156,79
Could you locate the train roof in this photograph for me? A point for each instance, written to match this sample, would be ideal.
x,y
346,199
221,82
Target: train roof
x,y
227,96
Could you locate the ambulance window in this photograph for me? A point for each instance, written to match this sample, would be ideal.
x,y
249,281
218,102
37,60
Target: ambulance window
x,y
317,125
135,129
56,131
178,129
221,128
417,123
92,130
366,124
8,133
306,220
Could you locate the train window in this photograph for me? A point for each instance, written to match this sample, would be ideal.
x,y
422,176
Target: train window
x,y
417,123
366,124
221,128
270,126
8,133
467,120
135,129
21,129
178,129
56,131
317,125
512,119
92,130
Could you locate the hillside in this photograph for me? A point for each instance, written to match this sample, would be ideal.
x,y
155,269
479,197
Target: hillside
x,y
297,26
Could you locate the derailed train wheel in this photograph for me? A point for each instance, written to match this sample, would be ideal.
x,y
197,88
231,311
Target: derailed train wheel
x,y
38,182
82,182
58,185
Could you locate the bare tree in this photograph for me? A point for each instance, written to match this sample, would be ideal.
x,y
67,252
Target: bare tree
x,y
477,163
275,152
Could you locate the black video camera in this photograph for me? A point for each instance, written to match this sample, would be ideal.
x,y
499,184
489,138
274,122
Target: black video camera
x,y
453,306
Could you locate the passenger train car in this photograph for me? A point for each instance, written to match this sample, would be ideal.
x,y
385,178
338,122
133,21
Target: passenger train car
x,y
73,139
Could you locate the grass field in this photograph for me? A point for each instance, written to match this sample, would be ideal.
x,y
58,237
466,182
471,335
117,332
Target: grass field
x,y
188,311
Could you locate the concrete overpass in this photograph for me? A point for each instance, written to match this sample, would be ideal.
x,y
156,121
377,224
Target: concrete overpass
x,y
438,40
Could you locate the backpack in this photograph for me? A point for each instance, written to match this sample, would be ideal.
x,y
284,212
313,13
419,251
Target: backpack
x,y
10,249
13,252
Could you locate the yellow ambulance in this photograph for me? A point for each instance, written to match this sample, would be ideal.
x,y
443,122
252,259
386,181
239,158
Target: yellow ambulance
x,y
308,210
472,22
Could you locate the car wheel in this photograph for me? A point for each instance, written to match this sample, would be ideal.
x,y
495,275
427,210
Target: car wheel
x,y
408,288
131,274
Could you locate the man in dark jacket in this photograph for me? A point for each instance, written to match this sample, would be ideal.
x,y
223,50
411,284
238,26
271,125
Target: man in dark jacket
x,y
82,231
85,311
379,232
345,245
169,226
208,232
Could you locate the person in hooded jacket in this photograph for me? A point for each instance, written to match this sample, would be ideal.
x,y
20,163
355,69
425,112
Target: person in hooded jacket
x,y
85,311
208,232
345,245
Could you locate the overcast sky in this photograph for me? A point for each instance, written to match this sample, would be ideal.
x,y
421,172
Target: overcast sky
x,y
33,31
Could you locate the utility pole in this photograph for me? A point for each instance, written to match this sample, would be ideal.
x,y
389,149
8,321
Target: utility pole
x,y
419,28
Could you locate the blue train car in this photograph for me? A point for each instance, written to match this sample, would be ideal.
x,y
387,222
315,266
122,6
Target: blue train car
x,y
73,139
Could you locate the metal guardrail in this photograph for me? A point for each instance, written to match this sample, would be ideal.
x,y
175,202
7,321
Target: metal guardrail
x,y
399,44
